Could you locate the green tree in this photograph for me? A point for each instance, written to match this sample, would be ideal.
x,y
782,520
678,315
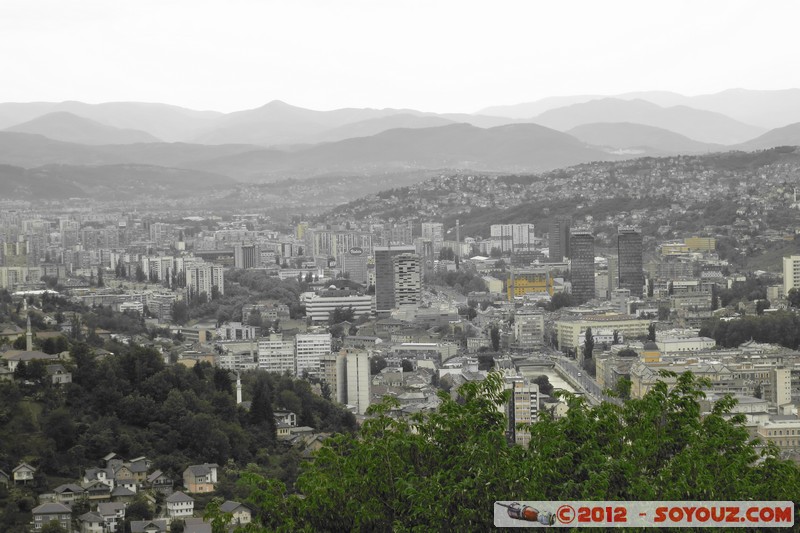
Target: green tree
x,y
494,335
794,297
545,387
180,312
651,332
140,275
588,344
444,470
376,364
622,388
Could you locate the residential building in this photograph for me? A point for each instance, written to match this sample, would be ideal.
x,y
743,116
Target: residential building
x,y
309,349
246,256
354,380
629,249
522,408
241,514
113,514
582,264
434,232
200,478
528,329
384,275
512,238
23,473
791,273
407,280
52,512
179,505
203,277
276,354
149,526
92,523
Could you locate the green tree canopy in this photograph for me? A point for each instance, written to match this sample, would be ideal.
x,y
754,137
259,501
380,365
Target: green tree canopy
x,y
445,470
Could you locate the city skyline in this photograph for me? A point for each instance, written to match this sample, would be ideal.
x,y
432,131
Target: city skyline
x,y
447,57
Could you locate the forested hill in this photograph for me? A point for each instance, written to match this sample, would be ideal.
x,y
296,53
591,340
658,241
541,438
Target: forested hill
x,y
712,187
133,404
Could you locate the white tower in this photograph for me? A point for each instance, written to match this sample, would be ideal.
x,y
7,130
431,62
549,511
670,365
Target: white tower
x,y
29,333
238,389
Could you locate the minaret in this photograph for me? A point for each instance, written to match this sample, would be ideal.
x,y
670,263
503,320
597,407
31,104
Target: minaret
x,y
238,389
29,334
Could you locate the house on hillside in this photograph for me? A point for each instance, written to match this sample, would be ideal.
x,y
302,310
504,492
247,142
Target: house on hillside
x,y
149,526
113,514
49,512
23,473
91,523
241,515
200,478
68,493
159,481
58,374
179,505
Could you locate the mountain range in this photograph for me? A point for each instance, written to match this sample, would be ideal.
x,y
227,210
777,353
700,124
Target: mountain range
x,y
129,140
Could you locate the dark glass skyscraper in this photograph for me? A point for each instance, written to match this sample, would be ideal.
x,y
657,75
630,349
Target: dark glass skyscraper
x,y
629,249
559,238
582,264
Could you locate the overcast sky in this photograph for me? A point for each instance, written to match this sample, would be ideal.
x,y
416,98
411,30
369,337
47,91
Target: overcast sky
x,y
443,56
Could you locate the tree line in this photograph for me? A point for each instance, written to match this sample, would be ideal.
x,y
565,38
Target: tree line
x,y
443,471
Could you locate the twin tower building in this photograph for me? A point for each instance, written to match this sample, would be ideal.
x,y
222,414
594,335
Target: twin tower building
x,y
577,244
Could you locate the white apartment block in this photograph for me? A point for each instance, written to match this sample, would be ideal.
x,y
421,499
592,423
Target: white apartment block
x,y
353,379
512,238
309,348
528,329
523,408
791,273
276,354
201,278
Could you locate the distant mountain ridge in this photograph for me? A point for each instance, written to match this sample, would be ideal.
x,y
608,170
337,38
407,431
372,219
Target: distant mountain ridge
x,y
767,109
704,126
68,127
648,140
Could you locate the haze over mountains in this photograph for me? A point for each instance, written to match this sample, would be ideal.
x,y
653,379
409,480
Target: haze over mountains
x,y
278,140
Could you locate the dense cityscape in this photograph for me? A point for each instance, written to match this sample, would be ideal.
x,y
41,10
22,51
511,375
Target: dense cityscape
x,y
595,280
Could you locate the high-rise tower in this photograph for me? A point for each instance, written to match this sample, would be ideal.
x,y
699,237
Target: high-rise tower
x,y
629,248
582,264
407,279
384,275
559,238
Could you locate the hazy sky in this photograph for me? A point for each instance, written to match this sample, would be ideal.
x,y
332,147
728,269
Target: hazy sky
x,y
444,56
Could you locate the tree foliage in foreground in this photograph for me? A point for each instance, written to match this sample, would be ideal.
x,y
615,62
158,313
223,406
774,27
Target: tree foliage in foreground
x,y
445,470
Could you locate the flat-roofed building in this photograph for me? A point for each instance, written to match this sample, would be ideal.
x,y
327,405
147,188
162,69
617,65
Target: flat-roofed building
x,y
569,329
309,348
276,354
320,305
